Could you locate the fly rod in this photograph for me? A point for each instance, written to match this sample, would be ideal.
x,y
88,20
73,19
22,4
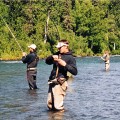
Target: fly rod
x,y
12,33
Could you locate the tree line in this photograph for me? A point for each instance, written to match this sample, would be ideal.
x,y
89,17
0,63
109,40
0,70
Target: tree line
x,y
91,26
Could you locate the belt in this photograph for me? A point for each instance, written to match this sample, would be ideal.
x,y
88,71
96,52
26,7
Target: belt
x,y
54,81
57,81
31,68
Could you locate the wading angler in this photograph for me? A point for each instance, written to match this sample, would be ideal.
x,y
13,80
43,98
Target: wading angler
x,y
31,60
62,62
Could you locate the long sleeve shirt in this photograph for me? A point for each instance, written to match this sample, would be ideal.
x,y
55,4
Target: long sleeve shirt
x,y
70,65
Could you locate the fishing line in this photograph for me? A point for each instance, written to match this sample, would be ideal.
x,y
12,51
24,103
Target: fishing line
x,y
12,34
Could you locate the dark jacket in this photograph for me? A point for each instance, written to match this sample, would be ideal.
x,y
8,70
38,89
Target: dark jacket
x,y
31,59
70,65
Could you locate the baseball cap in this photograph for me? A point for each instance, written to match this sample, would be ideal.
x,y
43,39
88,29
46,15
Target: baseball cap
x,y
60,44
33,46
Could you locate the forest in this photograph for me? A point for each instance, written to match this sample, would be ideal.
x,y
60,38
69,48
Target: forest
x,y
90,26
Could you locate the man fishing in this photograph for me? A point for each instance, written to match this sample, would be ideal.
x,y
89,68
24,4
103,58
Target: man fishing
x,y
62,62
106,59
31,60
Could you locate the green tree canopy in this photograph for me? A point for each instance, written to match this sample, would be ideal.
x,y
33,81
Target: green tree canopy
x,y
91,26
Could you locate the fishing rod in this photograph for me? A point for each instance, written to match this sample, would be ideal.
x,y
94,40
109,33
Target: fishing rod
x,y
12,34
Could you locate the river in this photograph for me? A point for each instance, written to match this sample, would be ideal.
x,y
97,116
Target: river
x,y
93,94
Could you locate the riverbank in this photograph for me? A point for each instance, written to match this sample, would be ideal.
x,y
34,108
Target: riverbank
x,y
19,59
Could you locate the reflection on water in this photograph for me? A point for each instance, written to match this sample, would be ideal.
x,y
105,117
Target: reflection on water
x,y
32,93
92,95
55,115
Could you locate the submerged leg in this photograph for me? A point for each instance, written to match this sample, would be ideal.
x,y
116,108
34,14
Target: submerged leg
x,y
59,94
50,99
31,80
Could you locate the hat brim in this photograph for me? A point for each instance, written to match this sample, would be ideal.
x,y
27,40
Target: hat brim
x,y
60,44
32,46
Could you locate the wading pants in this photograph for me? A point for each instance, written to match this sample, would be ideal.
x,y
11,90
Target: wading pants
x,y
107,66
56,94
31,78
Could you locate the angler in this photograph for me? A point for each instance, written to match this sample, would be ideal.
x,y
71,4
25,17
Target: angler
x,y
32,60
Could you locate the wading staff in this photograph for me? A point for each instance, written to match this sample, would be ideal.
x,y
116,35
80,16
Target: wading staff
x,y
12,33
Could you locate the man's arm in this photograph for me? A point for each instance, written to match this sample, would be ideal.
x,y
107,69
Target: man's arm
x,y
49,60
71,67
26,58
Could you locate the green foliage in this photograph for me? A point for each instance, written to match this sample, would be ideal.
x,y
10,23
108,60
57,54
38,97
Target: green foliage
x,y
91,26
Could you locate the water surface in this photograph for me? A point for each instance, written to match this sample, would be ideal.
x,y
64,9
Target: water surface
x,y
92,95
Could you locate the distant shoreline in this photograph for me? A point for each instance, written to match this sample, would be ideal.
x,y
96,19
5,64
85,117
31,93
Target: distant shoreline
x,y
7,59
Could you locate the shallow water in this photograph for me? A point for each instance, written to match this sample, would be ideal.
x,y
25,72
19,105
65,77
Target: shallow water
x,y
92,95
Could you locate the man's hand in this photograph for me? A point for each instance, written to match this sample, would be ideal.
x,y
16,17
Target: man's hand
x,y
59,60
62,62
55,57
24,54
